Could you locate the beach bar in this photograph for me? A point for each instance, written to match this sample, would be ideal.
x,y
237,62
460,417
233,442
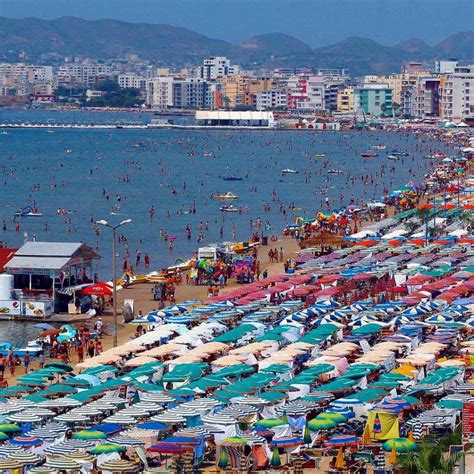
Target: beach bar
x,y
226,118
37,276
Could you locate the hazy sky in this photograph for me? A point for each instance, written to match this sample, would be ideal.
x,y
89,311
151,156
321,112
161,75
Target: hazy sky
x,y
317,22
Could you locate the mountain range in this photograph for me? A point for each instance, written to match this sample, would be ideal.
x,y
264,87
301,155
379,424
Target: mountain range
x,y
174,46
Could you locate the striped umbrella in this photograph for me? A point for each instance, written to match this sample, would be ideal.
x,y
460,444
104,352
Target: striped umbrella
x,y
219,419
42,470
120,420
377,428
60,450
124,441
86,411
118,465
107,448
168,418
8,449
156,397
80,457
343,440
63,464
72,418
26,441
9,464
40,412
24,418
64,402
89,434
26,458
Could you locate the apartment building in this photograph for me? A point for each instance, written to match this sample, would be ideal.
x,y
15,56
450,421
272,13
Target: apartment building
x,y
457,94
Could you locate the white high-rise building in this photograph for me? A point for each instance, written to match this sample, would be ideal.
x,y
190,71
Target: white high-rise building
x,y
217,66
159,92
457,94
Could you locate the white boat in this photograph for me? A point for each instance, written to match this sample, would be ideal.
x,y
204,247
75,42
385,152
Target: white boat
x,y
230,208
227,195
393,157
208,153
289,171
379,147
332,171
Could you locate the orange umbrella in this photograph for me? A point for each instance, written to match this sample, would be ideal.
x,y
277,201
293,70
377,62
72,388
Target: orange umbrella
x,y
410,436
367,243
466,240
394,242
426,206
393,456
340,463
468,206
448,206
417,241
366,439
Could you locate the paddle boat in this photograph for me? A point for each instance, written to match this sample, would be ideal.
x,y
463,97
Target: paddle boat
x,y
208,154
227,195
320,155
230,208
28,211
33,348
379,147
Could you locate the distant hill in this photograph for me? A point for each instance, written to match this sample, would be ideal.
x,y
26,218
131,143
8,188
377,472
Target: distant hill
x,y
169,45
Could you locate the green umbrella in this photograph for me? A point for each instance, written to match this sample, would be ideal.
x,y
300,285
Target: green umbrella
x,y
59,365
89,434
60,389
276,461
271,422
276,369
100,368
9,428
337,417
450,403
3,436
321,424
371,328
402,445
307,435
223,458
107,448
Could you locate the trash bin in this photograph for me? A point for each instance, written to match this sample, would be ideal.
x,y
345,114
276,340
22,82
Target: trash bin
x,y
264,240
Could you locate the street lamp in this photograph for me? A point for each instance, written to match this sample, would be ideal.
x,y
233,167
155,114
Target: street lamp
x,y
114,270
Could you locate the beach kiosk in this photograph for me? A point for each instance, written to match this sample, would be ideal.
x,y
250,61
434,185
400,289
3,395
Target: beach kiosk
x,y
38,274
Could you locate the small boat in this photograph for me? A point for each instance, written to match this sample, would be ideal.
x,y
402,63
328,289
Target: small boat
x,y
320,155
230,208
28,211
34,348
227,195
379,147
208,153
369,154
393,157
333,171
289,171
399,153
232,178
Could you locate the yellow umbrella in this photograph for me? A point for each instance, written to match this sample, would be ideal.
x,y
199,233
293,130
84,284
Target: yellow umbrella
x,y
393,456
340,463
410,436
366,439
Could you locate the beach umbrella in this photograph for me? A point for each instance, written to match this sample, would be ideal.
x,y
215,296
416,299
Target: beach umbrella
x,y
24,418
366,439
3,436
286,442
343,440
166,448
321,424
42,470
401,445
393,456
307,439
169,418
89,434
271,422
118,465
223,458
340,463
275,461
377,428
107,448
26,458
72,418
26,441
125,441
9,428
59,365
333,416
80,457
63,464
9,464
153,426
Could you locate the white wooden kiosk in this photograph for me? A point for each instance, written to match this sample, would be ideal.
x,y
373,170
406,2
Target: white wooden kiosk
x,y
40,270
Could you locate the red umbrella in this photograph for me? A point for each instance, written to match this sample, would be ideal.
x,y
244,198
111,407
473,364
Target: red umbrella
x,y
101,289
367,243
330,279
398,289
363,276
300,279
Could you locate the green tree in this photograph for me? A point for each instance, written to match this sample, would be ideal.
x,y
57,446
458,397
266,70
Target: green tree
x,y
226,101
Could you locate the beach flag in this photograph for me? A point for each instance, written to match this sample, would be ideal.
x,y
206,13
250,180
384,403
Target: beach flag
x,y
377,425
366,439
393,456
307,436
276,461
410,436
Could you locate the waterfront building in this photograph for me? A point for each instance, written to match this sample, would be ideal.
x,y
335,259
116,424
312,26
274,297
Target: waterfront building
x,y
224,118
133,81
272,99
457,94
345,99
374,99
159,93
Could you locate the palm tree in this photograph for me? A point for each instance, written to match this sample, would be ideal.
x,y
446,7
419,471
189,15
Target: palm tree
x,y
226,101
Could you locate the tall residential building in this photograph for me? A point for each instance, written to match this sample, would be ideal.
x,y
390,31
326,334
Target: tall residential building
x,y
131,81
457,94
426,101
374,99
159,92
217,66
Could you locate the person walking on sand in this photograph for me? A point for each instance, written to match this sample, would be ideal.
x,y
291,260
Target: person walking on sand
x,y
26,361
2,365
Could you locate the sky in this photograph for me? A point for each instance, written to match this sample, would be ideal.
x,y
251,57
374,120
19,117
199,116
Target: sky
x,y
316,22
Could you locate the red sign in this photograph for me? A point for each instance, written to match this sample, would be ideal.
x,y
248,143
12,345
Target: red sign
x,y
468,418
